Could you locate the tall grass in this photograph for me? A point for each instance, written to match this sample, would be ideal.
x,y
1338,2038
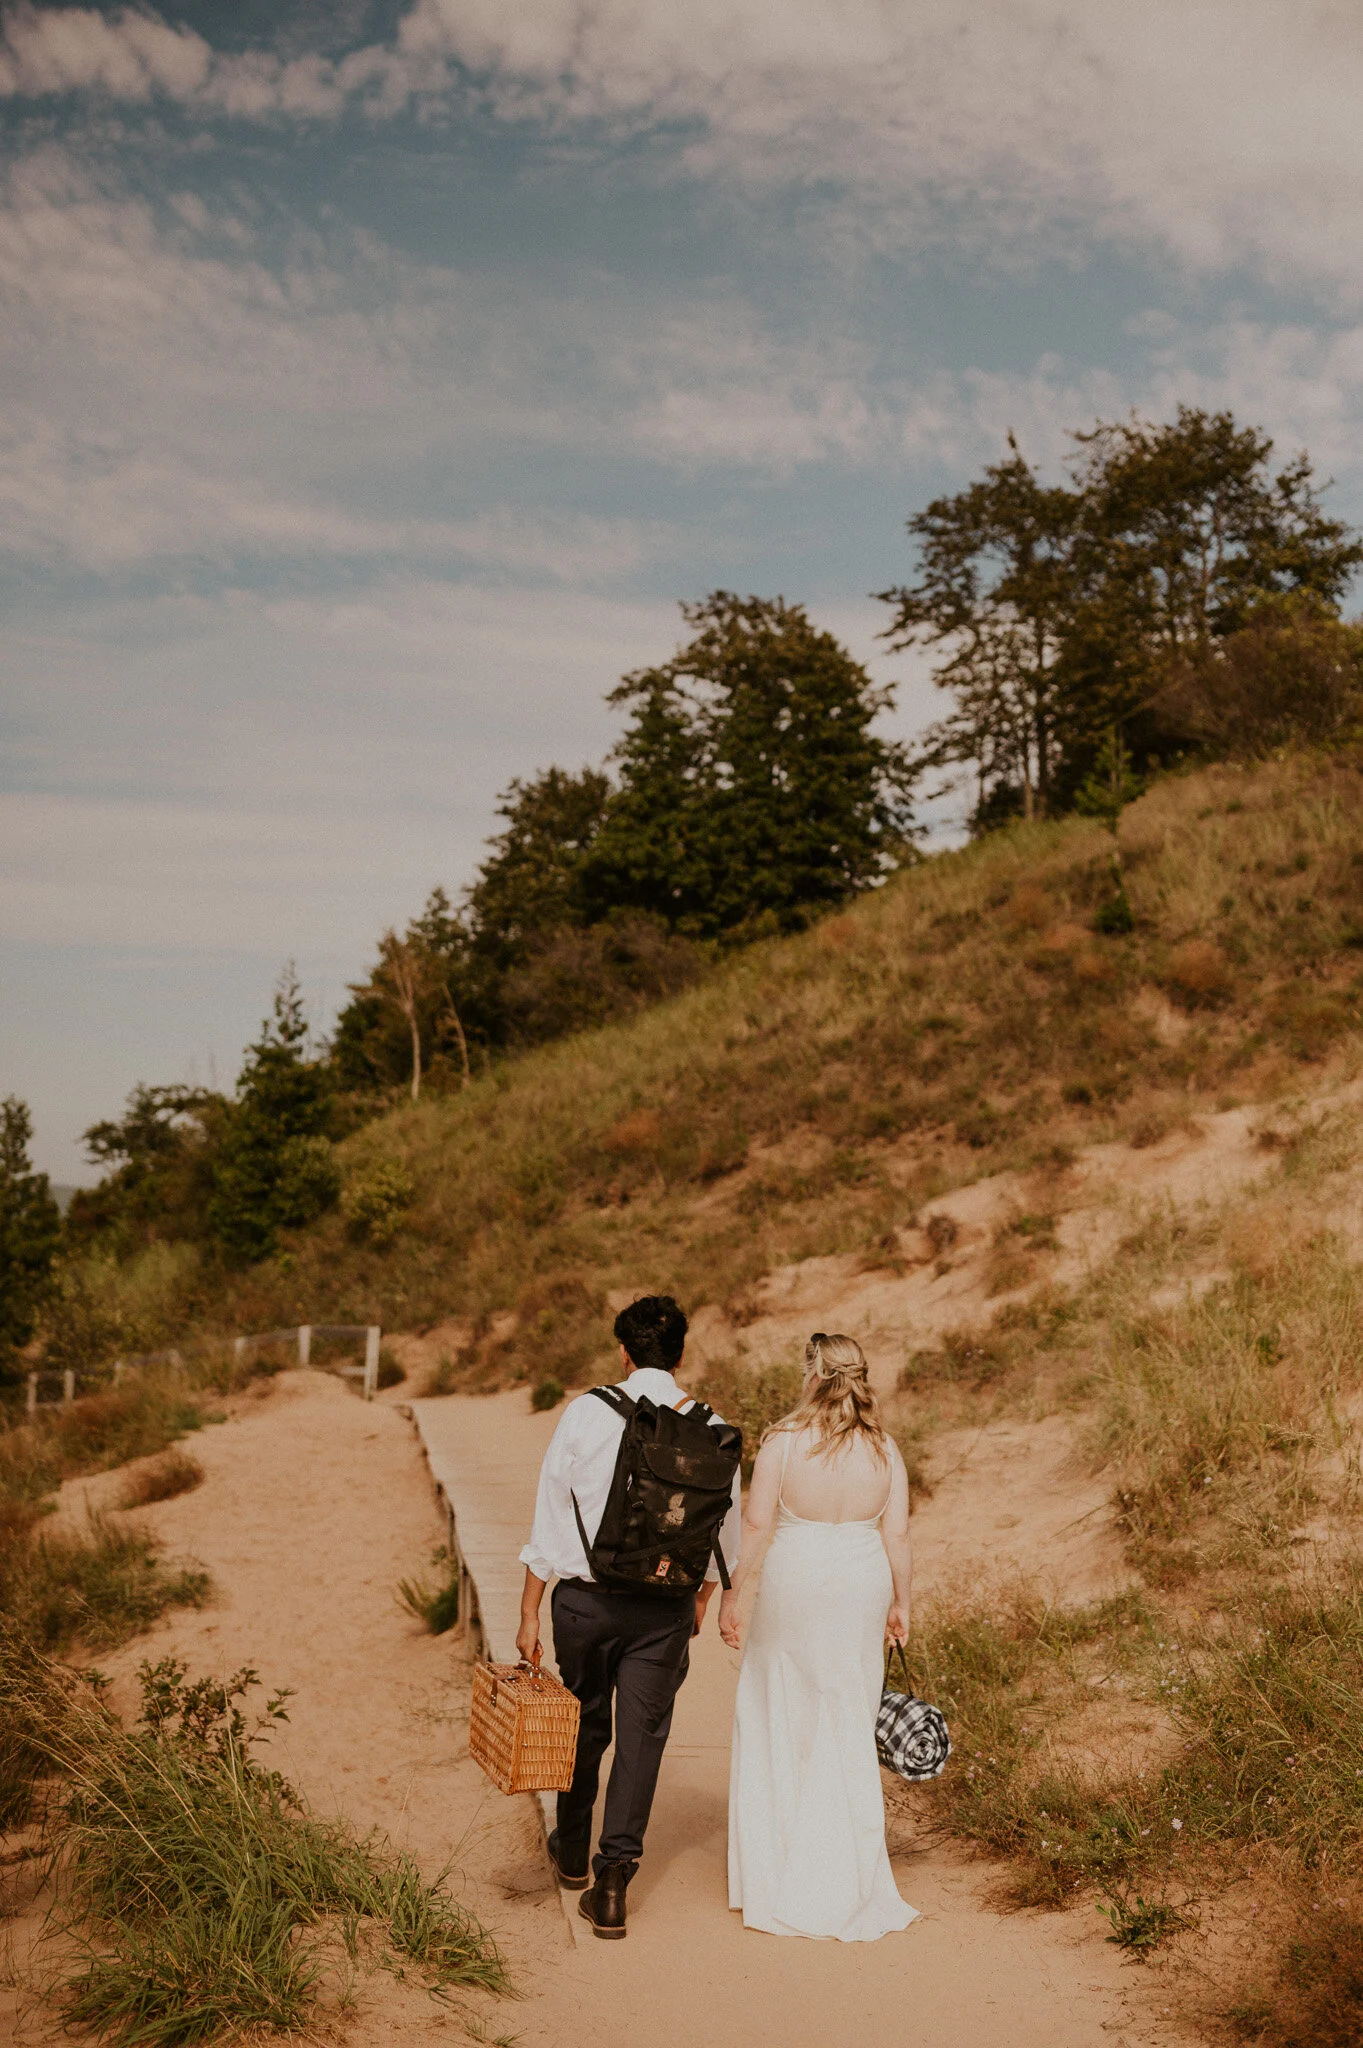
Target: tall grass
x,y
435,1607
1213,1413
1273,1716
149,1411
1010,1669
196,1893
1317,2000
752,1397
165,1478
98,1589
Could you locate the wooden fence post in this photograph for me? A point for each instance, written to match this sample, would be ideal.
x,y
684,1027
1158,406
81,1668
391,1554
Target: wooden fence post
x,y
118,1371
31,1394
305,1343
371,1361
238,1351
68,1385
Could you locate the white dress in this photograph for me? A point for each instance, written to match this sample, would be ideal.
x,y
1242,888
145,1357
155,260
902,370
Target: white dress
x,y
806,1812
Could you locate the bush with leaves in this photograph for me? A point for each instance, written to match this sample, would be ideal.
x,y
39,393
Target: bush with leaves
x,y
374,1202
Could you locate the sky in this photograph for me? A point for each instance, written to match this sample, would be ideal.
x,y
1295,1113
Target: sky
x,y
375,379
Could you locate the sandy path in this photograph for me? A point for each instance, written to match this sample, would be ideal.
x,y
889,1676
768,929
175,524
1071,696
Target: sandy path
x,y
312,1508
689,1974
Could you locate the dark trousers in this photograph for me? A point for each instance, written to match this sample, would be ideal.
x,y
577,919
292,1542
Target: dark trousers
x,y
637,1648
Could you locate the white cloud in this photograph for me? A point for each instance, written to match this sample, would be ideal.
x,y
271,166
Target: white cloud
x,y
1221,134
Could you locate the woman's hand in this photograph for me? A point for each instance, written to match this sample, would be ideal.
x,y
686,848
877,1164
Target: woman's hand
x,y
896,1624
728,1620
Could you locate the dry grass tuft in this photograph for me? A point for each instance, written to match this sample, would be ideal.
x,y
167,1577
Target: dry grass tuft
x,y
174,1472
1317,2001
1199,971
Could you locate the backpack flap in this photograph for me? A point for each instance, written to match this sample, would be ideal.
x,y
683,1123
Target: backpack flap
x,y
669,1496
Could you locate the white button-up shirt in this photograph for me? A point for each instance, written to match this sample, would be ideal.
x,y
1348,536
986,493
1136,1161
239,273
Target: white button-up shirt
x,y
581,1460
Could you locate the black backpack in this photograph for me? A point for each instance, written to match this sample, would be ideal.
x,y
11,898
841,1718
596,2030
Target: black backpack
x,y
671,1489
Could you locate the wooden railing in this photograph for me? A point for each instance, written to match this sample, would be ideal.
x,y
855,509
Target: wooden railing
x,y
301,1336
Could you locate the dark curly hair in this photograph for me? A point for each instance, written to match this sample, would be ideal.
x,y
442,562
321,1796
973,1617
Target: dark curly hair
x,y
653,1331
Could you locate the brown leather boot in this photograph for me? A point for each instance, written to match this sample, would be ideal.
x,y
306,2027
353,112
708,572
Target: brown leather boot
x,y
604,1904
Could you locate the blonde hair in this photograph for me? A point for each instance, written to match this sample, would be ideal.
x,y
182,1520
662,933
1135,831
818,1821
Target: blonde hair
x,y
838,1402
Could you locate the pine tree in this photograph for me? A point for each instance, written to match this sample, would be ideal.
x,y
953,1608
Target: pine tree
x,y
274,1168
30,1234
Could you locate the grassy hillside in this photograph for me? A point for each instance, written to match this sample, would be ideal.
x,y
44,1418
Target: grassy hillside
x,y
818,1090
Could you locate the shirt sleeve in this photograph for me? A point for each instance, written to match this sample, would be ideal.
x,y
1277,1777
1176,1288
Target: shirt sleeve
x,y
729,1532
553,1500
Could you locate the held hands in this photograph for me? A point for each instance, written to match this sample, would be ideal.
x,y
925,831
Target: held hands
x,y
896,1625
728,1620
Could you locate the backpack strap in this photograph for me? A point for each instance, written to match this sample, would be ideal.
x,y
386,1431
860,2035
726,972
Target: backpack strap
x,y
624,1406
617,1400
582,1529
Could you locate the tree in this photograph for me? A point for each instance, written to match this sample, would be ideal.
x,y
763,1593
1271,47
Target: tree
x,y
998,590
274,1167
1071,616
159,1171
532,880
753,790
30,1234
407,1018
1293,673
403,972
1187,523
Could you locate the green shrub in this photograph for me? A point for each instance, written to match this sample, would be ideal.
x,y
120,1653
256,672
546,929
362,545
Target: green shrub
x,y
1139,1926
546,1395
195,1889
435,1607
375,1201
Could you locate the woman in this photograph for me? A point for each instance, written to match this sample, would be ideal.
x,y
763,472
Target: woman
x,y
828,1508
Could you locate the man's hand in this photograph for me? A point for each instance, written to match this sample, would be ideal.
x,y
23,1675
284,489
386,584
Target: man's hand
x,y
528,1640
728,1620
704,1595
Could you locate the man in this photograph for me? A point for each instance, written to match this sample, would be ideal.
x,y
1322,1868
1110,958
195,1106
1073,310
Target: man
x,y
612,1642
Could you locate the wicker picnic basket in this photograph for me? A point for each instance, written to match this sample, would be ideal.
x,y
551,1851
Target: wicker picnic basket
x,y
523,1728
